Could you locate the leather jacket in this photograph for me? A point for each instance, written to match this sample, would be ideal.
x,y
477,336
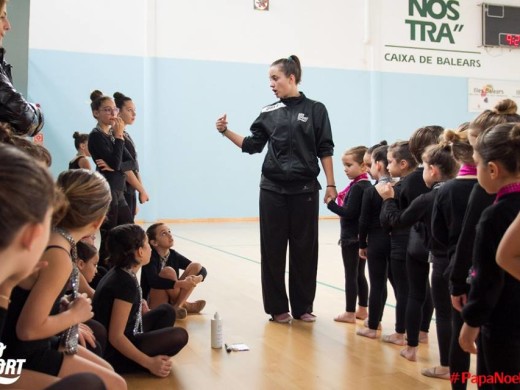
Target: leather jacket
x,y
25,118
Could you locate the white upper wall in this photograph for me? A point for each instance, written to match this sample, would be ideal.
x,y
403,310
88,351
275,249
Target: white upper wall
x,y
353,34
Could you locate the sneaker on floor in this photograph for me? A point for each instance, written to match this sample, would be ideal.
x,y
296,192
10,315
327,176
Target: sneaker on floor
x,y
307,317
194,307
180,313
283,318
436,372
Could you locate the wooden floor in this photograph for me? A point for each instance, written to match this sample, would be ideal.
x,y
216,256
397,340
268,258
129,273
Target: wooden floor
x,y
323,355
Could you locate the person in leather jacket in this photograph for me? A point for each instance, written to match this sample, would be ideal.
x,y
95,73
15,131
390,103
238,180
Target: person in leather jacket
x,y
298,133
25,118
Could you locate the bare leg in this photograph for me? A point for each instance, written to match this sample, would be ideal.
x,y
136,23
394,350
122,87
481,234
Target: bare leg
x,y
32,380
158,297
74,364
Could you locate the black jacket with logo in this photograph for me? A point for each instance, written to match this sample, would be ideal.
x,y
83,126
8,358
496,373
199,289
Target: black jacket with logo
x,y
298,132
24,117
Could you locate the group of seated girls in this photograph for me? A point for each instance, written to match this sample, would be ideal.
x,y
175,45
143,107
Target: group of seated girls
x,y
43,309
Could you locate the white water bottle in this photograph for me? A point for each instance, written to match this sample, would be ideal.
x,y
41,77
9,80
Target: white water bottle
x,y
216,332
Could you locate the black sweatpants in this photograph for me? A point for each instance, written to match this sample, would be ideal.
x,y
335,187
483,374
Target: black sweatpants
x,y
118,214
378,254
289,220
499,353
399,242
459,359
419,308
442,304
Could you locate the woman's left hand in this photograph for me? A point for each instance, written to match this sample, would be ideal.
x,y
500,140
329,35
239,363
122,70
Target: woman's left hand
x,y
330,194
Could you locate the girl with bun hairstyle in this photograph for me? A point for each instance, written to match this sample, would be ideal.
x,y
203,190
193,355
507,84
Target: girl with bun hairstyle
x,y
490,313
106,144
36,314
127,113
447,218
81,145
505,111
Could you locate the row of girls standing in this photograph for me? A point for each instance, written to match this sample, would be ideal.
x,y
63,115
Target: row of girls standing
x,y
489,302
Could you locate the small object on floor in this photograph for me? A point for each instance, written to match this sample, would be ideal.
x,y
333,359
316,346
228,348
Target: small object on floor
x,y
437,372
348,317
180,313
307,317
283,318
394,338
194,307
237,347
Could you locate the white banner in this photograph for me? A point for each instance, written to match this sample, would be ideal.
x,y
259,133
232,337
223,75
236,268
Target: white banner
x,y
485,94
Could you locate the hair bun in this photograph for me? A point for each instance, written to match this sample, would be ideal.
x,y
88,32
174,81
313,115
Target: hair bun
x,y
119,95
96,94
76,135
505,107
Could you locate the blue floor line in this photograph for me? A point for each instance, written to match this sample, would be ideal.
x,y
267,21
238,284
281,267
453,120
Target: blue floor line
x,y
257,262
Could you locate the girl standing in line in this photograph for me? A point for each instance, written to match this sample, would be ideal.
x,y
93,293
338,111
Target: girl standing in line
x,y
298,133
400,164
419,307
374,242
137,339
491,312
447,218
348,207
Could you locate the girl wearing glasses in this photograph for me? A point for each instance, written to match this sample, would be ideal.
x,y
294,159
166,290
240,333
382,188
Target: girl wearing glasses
x,y
106,144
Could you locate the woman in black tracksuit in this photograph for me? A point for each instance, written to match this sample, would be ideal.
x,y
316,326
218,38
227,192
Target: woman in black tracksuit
x,y
297,132
491,312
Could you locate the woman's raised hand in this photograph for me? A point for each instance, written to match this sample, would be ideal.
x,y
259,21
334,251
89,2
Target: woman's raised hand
x,y
222,123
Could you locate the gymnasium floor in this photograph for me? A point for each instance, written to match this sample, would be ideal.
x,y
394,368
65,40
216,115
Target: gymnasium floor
x,y
323,355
